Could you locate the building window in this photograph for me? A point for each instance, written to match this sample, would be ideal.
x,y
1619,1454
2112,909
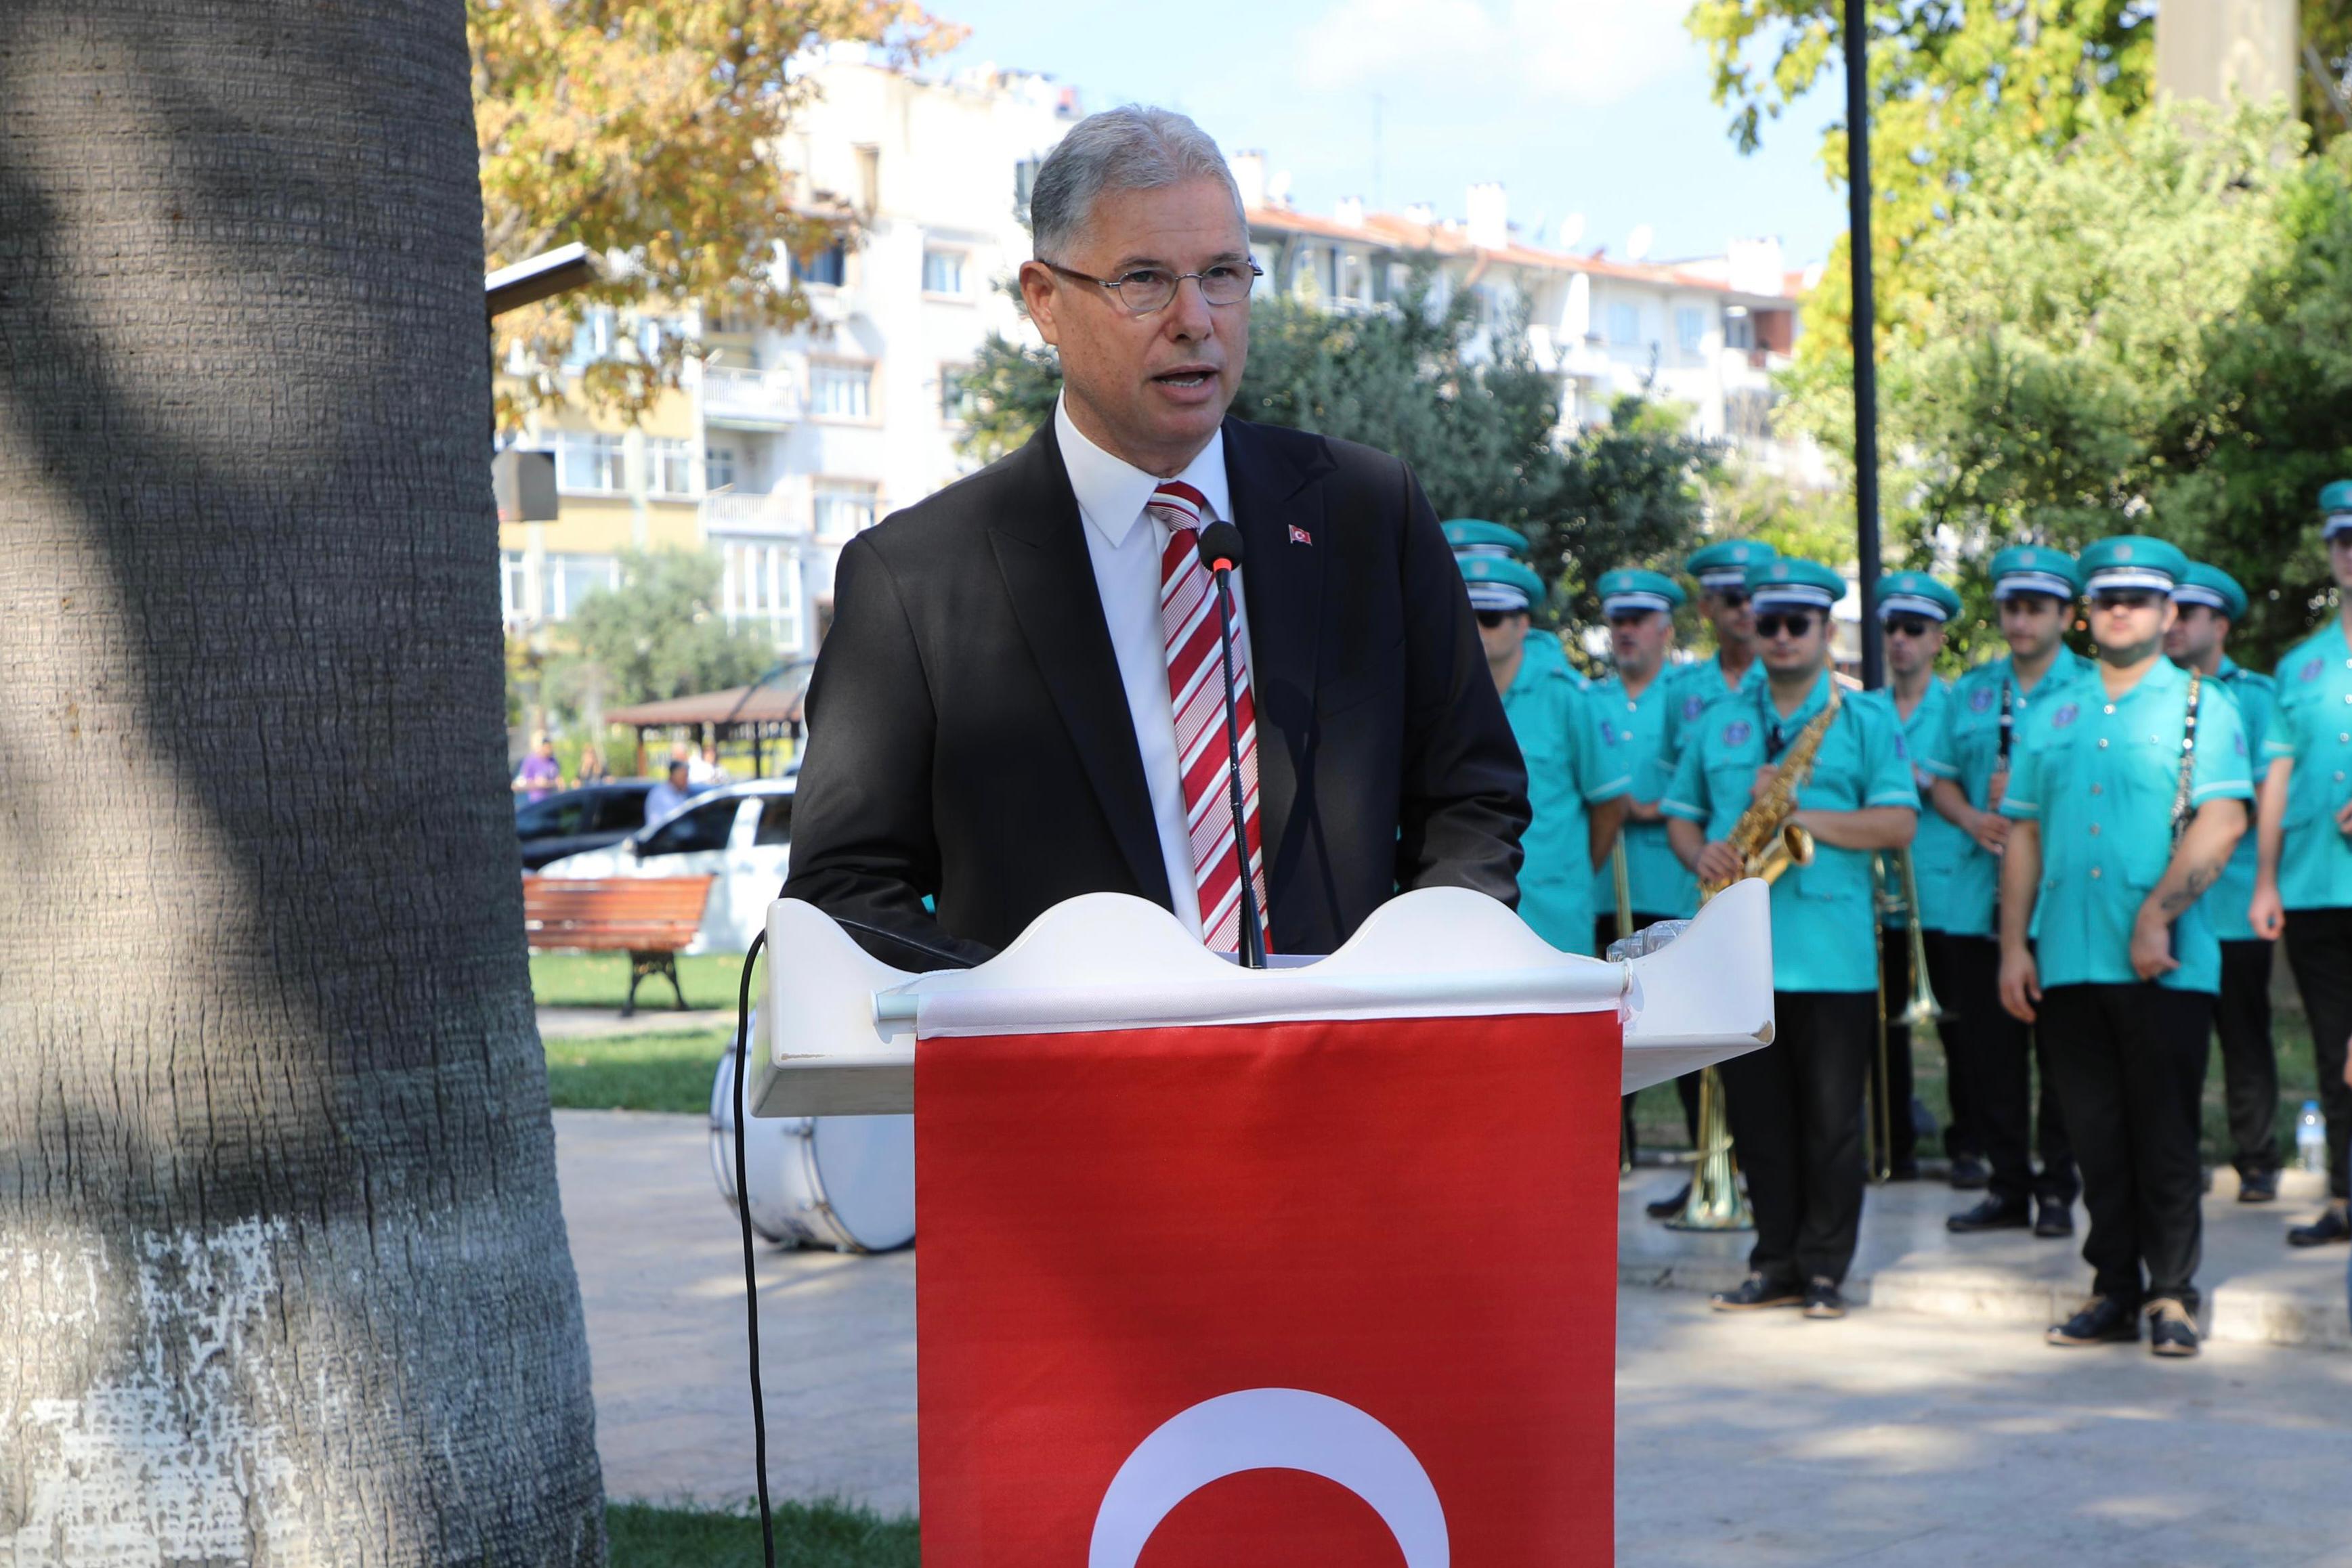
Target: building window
x,y
828,266
669,467
591,465
1690,329
840,391
570,579
1625,324
1739,329
957,403
843,509
760,583
718,467
943,272
515,607
592,339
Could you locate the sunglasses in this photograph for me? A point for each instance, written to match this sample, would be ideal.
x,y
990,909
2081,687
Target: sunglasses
x,y
1796,622
2125,599
1630,617
1907,625
1490,619
1730,598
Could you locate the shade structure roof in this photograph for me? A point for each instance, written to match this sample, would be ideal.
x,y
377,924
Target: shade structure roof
x,y
766,704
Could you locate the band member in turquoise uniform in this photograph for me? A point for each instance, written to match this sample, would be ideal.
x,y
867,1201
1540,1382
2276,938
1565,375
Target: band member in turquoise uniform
x,y
1688,690
2210,602
1577,793
2033,589
1913,609
2130,787
2303,876
1796,1106
1639,606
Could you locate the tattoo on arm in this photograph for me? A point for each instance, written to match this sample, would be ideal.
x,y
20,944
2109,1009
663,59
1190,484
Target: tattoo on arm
x,y
2200,877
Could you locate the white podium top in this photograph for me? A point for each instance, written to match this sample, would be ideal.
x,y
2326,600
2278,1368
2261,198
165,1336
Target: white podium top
x,y
837,1034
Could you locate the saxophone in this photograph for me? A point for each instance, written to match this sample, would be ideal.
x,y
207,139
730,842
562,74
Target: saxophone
x,y
1769,843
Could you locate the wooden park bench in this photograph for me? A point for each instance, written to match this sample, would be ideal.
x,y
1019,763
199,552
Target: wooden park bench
x,y
647,917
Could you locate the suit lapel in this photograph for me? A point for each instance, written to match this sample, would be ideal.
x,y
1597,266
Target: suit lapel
x,y
1285,541
1041,549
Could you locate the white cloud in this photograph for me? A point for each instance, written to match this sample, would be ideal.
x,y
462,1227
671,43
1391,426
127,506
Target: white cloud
x,y
1584,52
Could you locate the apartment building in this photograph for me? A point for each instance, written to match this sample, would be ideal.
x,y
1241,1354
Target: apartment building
x,y
783,444
1709,334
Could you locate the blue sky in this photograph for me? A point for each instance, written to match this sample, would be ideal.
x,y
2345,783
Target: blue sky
x,y
1590,107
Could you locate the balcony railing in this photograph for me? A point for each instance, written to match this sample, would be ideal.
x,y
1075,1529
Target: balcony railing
x,y
762,398
752,513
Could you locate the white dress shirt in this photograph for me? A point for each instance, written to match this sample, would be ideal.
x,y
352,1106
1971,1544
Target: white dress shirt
x,y
1125,548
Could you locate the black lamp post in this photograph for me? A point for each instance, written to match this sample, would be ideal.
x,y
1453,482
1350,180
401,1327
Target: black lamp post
x,y
1865,368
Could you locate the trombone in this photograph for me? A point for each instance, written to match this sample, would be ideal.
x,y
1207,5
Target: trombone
x,y
1919,1009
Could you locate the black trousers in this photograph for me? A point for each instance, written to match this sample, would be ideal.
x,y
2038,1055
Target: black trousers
x,y
1605,931
1890,1101
1964,1132
1796,1115
2249,1057
2130,1065
1998,1054
2319,951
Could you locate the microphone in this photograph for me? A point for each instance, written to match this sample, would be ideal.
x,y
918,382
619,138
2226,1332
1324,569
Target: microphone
x,y
1221,551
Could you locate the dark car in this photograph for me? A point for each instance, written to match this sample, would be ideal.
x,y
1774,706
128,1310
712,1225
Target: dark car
x,y
578,819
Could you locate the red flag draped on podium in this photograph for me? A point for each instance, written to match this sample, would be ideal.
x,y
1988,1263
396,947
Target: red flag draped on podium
x,y
1328,1292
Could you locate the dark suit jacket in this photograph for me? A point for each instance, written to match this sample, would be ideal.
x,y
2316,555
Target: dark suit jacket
x,y
968,736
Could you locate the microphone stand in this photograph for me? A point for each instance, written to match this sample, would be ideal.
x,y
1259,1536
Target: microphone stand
x,y
1219,553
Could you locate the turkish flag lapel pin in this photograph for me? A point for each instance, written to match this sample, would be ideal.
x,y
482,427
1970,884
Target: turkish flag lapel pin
x,y
1299,536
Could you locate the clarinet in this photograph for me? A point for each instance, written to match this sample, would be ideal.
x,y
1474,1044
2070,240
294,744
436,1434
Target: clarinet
x,y
2181,811
1999,787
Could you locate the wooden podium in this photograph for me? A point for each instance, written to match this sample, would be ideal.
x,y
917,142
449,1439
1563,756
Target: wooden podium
x,y
1315,1263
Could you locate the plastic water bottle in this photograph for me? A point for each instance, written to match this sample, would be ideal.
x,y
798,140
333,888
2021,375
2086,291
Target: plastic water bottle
x,y
2310,1138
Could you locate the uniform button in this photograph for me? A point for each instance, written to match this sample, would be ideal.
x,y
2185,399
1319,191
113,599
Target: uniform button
x,y
2109,709
2102,743
2094,873
2339,775
2094,830
2098,789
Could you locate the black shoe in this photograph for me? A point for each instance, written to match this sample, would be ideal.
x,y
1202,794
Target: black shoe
x,y
2171,1327
2331,1225
1822,1301
1904,1170
1992,1214
1667,1208
2053,1218
2099,1320
1757,1293
2258,1186
1970,1174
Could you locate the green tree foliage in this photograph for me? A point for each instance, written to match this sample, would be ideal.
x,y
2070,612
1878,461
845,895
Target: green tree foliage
x,y
2145,331
647,129
1470,411
659,634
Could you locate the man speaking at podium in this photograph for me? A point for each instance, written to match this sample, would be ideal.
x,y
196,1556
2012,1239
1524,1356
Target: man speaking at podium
x,y
1021,697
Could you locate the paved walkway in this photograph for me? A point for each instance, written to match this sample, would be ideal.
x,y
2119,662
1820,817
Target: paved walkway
x,y
1896,1438
577,1023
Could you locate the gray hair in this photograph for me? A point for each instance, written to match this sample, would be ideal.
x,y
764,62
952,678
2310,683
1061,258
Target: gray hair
x,y
1132,148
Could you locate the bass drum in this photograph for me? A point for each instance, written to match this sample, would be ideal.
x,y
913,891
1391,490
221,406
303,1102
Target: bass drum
x,y
843,1182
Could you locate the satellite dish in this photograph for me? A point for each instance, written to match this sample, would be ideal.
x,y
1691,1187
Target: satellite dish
x,y
1637,244
1571,229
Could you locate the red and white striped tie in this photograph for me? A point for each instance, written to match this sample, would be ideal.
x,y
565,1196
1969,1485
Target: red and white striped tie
x,y
1196,692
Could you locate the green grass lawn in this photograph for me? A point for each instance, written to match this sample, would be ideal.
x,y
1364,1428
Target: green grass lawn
x,y
602,980
808,1535
1658,1114
636,1071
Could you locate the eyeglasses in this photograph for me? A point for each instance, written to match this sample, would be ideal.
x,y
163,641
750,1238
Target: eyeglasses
x,y
2125,599
1490,619
1796,622
1729,598
1630,617
1907,625
1149,289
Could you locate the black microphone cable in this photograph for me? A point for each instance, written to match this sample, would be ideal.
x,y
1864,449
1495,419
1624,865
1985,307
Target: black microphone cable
x,y
750,1266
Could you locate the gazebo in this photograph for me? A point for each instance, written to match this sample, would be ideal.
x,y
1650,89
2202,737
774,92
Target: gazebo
x,y
762,712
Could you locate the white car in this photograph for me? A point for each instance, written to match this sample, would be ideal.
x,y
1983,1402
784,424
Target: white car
x,y
740,833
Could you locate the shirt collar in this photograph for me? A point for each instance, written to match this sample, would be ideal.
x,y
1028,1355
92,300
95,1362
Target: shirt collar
x,y
2230,670
1111,491
1813,703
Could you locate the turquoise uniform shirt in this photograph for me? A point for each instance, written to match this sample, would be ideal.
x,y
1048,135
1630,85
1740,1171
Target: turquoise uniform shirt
x,y
1967,750
2312,724
1692,689
2100,776
1938,846
1631,730
1567,768
1822,914
2225,905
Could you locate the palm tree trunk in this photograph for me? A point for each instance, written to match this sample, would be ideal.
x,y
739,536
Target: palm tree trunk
x,y
283,1277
